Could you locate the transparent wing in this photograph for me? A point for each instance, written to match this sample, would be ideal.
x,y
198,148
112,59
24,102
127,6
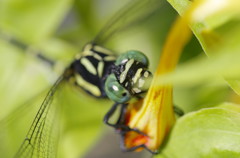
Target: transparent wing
x,y
41,139
25,48
135,12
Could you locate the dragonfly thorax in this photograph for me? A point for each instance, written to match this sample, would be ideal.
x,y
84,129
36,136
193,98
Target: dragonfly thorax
x,y
91,67
130,77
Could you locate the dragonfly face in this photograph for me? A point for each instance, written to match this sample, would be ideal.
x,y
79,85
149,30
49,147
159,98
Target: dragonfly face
x,y
130,77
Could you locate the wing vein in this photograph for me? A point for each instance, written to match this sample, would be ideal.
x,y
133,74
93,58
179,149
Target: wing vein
x,y
36,131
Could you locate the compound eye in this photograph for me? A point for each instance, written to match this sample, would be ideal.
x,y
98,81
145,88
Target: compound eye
x,y
115,91
132,54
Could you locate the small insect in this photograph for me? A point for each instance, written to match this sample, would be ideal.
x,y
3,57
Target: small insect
x,y
102,74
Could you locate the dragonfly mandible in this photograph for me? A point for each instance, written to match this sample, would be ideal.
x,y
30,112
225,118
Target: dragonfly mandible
x,y
100,73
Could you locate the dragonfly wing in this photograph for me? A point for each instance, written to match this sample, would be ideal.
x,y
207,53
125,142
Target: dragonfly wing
x,y
41,140
134,12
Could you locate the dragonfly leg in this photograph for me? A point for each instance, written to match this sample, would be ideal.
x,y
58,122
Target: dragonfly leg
x,y
178,111
119,125
121,119
109,114
123,147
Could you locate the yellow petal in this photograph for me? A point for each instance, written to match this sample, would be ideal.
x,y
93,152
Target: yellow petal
x,y
154,114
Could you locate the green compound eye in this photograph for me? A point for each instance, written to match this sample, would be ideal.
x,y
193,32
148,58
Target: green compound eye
x,y
115,91
132,54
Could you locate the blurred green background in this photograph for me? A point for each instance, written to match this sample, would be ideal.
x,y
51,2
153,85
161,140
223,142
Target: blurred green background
x,y
58,29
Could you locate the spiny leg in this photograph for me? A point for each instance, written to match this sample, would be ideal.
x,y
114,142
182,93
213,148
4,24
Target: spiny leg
x,y
123,147
121,119
110,114
120,123
178,111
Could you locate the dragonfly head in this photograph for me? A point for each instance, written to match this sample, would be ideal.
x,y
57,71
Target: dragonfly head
x,y
129,78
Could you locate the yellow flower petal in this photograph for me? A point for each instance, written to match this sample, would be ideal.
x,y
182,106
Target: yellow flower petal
x,y
154,115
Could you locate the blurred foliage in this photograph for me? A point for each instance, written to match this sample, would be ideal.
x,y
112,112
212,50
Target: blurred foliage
x,y
207,133
216,27
59,28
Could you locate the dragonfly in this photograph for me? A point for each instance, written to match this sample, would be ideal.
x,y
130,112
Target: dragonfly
x,y
101,74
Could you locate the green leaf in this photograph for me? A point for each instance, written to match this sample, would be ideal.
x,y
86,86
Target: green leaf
x,y
208,133
216,25
32,21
